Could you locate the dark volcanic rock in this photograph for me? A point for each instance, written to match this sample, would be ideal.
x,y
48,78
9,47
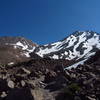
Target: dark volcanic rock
x,y
19,94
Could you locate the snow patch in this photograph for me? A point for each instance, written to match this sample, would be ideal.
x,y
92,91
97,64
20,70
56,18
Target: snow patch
x,y
11,63
24,47
76,64
55,57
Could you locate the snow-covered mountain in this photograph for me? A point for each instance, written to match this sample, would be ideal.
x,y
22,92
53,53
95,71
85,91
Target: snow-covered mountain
x,y
77,46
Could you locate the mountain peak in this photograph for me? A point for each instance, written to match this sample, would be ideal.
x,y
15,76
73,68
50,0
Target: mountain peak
x,y
82,33
78,33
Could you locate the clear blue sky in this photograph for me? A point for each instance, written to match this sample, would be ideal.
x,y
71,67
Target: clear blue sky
x,y
45,21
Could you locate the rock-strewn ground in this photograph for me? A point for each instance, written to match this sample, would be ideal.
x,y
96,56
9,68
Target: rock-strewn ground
x,y
24,81
45,79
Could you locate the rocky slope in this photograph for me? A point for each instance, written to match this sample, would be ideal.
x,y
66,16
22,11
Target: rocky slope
x,y
15,49
45,79
24,81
